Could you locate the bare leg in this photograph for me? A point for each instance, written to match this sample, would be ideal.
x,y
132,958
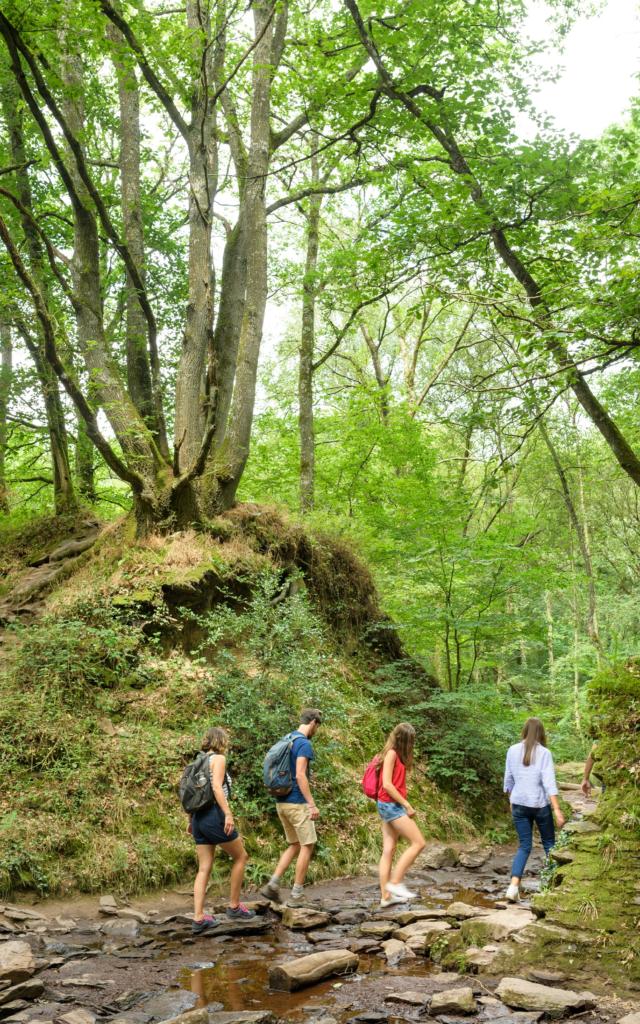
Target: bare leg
x,y
205,863
302,863
287,857
238,854
407,828
389,843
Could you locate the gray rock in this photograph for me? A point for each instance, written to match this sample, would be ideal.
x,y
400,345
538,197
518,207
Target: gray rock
x,y
79,1016
168,1005
581,828
356,916
408,996
396,951
431,930
377,929
496,926
17,962
554,1002
474,857
438,856
631,1018
307,970
128,913
303,918
117,929
454,1000
30,989
462,911
547,977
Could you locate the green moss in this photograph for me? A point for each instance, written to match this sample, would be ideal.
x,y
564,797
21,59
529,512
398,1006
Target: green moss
x,y
598,892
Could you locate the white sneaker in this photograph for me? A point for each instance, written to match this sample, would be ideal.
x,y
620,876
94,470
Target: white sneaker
x,y
400,890
512,894
391,900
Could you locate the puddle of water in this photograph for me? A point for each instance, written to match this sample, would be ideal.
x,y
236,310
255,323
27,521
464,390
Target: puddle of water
x,y
473,898
242,983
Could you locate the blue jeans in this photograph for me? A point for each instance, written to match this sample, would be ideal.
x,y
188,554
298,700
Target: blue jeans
x,y
523,819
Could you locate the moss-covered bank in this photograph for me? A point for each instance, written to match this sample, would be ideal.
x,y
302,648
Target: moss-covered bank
x,y
596,895
143,646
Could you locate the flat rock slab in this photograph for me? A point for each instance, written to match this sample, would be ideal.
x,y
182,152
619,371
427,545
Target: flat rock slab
x,y
303,918
226,926
430,929
17,962
549,978
409,997
454,1000
496,926
631,1018
30,989
462,911
582,827
356,916
308,970
79,1016
378,929
167,1005
554,1002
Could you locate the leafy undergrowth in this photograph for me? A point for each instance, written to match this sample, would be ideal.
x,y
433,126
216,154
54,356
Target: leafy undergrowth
x,y
148,644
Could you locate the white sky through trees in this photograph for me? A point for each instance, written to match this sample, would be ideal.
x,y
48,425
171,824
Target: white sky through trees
x,y
600,62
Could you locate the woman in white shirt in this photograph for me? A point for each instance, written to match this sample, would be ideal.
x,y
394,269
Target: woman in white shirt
x,y
530,782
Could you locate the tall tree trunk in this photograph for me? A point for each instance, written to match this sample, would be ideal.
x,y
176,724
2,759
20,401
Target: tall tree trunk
x,y
146,398
85,464
105,387
548,614
307,344
6,369
381,379
235,449
192,400
64,498
581,535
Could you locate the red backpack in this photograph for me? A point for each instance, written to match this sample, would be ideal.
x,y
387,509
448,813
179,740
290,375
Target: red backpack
x,y
371,778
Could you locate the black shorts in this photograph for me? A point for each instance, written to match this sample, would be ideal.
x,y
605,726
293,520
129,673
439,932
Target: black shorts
x,y
208,827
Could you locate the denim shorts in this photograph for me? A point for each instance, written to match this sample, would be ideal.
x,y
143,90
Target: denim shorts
x,y
389,812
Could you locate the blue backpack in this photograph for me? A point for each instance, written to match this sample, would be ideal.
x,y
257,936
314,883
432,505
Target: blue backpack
x,y
276,772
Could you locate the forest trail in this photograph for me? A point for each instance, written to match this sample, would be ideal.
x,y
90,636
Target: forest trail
x,y
106,960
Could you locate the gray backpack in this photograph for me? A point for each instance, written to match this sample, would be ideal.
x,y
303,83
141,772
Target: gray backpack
x,y
194,788
276,772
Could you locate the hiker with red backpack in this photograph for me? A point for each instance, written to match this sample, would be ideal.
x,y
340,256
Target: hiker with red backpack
x,y
385,780
205,789
286,777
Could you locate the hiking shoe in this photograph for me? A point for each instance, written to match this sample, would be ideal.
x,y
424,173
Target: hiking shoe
x,y
202,926
391,900
240,913
512,894
400,890
271,892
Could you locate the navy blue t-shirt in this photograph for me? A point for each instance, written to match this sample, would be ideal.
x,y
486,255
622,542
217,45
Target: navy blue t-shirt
x,y
301,748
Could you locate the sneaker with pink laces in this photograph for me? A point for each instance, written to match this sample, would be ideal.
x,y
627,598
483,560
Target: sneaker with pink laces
x,y
203,924
240,913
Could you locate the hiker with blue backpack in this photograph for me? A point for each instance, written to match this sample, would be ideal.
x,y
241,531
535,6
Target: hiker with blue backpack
x,y
205,789
385,781
286,776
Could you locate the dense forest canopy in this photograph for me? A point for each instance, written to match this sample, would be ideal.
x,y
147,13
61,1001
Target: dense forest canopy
x,y
453,375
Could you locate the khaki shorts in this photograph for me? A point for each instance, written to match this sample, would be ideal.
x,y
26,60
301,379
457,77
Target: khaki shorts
x,y
297,824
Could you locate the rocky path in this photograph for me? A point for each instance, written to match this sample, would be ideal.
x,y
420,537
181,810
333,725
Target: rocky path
x,y
455,956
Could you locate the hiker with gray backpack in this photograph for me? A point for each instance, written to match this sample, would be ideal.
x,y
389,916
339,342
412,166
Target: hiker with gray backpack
x,y
286,777
205,788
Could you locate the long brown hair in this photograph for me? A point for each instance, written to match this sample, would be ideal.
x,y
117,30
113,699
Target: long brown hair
x,y
402,739
216,740
533,734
